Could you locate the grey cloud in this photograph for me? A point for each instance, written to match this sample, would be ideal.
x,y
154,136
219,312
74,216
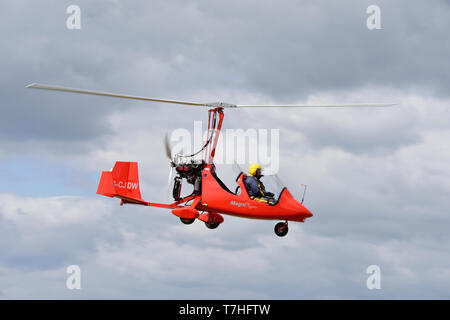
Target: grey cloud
x,y
285,52
151,262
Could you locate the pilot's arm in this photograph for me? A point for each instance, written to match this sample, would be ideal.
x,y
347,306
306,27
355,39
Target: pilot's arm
x,y
262,190
269,194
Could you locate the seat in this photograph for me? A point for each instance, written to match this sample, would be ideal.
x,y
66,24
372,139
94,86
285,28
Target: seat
x,y
220,182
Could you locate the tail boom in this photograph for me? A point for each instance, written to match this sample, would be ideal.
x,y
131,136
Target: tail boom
x,y
123,182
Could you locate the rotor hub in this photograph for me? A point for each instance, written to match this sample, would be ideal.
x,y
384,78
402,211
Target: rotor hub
x,y
221,105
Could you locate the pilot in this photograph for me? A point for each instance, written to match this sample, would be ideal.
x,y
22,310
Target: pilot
x,y
255,187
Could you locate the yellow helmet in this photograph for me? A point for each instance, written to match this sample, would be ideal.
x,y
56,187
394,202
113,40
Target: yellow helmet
x,y
253,168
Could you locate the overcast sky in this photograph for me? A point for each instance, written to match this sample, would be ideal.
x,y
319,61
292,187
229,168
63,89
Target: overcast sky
x,y
378,179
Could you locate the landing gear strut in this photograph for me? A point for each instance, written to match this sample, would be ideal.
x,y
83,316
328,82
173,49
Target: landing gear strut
x,y
281,229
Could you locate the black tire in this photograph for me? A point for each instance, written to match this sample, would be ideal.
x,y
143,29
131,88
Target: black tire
x,y
187,221
281,229
212,225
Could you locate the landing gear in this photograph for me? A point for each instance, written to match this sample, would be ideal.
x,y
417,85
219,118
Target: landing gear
x,y
281,229
212,225
187,221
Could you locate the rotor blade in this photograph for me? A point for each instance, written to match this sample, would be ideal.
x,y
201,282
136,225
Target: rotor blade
x,y
108,94
167,147
317,105
209,105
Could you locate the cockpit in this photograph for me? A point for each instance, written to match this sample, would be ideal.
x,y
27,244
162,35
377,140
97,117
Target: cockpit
x,y
272,183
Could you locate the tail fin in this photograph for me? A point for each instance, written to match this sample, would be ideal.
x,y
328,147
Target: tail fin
x,y
122,182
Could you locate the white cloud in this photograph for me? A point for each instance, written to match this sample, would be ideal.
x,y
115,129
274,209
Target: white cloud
x,y
50,213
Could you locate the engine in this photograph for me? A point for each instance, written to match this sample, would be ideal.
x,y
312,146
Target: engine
x,y
191,170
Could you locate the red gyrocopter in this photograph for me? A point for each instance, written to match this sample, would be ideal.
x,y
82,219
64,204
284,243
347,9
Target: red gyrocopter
x,y
210,197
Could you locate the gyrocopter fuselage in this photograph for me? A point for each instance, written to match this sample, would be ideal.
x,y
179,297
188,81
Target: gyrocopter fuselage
x,y
210,198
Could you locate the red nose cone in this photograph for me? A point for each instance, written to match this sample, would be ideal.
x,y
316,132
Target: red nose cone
x,y
306,213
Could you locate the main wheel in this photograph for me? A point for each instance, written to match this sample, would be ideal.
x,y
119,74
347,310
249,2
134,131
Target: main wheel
x,y
187,221
281,229
212,225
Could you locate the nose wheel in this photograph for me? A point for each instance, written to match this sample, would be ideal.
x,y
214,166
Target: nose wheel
x,y
281,229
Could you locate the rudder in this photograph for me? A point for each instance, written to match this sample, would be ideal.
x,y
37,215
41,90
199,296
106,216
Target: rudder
x,y
122,182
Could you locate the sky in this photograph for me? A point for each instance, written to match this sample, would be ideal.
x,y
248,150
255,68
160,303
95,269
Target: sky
x,y
378,178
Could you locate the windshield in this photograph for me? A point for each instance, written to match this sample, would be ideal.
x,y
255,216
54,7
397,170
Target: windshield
x,y
273,184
